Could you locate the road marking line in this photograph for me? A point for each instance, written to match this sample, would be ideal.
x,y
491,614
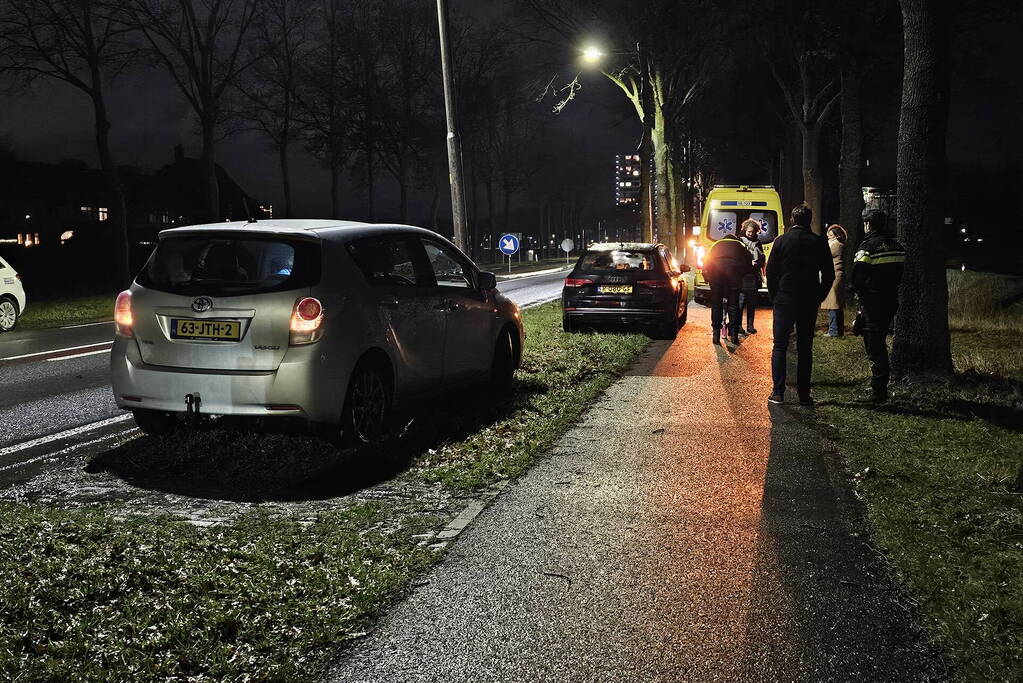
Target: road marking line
x,y
77,355
102,322
7,450
67,449
47,353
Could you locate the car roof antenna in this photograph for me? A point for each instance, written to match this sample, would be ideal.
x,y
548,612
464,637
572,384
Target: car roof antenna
x,y
245,203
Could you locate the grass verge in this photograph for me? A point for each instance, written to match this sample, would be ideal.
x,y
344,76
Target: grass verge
x,y
937,469
94,593
61,312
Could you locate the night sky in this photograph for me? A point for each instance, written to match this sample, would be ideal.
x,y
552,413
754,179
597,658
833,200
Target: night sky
x,y
149,118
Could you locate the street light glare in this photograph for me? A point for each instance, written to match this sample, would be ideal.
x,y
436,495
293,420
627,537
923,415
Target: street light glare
x,y
592,54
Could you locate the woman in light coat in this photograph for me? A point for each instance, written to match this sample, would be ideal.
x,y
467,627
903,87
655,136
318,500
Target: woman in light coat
x,y
835,303
751,282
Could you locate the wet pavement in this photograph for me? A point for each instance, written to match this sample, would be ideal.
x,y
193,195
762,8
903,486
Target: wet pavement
x,y
680,532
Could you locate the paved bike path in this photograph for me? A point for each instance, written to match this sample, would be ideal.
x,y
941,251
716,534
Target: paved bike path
x,y
680,532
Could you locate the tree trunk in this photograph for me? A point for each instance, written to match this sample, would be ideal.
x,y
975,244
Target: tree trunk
x,y
813,184
850,185
208,163
118,212
646,195
662,202
922,346
490,213
507,209
285,176
402,190
335,200
434,207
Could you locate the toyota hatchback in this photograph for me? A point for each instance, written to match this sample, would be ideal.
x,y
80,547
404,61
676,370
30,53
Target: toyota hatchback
x,y
333,322
627,283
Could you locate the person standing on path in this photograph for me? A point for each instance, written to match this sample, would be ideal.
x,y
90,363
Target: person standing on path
x,y
752,281
877,271
727,263
799,276
834,304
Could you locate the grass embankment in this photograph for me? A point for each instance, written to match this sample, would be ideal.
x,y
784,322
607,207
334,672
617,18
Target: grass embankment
x,y
103,594
939,469
61,312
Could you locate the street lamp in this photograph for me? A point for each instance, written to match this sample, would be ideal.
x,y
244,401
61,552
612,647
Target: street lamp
x,y
592,54
453,143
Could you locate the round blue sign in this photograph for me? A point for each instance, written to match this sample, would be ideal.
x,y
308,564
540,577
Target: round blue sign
x,y
508,245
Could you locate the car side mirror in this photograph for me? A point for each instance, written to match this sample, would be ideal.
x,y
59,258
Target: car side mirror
x,y
486,280
683,268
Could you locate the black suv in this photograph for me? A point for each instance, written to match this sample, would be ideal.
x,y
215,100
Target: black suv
x,y
626,282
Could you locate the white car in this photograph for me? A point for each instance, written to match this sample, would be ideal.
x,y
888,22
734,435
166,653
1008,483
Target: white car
x,y
12,297
329,321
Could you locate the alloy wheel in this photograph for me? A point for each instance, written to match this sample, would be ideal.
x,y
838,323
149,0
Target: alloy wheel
x,y
369,405
8,315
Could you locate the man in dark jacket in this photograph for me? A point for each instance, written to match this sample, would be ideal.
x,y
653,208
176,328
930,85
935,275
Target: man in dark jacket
x,y
876,273
727,263
799,277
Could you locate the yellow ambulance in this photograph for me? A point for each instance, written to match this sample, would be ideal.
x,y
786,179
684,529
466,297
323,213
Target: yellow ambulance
x,y
725,209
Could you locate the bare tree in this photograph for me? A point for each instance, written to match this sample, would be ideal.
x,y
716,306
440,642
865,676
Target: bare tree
x,y
270,90
80,43
921,347
200,45
799,53
325,97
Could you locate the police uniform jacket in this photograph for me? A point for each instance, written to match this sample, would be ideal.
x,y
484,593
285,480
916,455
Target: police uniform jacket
x,y
876,273
727,263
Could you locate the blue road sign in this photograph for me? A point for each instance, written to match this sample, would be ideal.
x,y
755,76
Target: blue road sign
x,y
509,244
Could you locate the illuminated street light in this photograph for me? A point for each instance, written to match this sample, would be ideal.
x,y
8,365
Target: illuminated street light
x,y
592,54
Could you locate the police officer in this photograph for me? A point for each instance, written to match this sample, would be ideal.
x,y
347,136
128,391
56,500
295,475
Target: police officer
x,y
727,263
877,270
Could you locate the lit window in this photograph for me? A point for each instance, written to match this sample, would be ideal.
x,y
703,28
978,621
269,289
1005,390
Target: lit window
x,y
104,213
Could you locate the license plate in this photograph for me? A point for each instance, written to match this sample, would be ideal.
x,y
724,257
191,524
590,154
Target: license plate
x,y
214,330
614,289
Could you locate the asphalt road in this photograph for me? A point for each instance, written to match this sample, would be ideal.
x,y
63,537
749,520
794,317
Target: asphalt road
x,y
57,379
681,532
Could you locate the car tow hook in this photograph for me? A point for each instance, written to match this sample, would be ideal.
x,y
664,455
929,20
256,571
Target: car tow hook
x,y
192,404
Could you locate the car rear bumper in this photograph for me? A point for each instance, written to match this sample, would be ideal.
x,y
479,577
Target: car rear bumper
x,y
615,315
295,389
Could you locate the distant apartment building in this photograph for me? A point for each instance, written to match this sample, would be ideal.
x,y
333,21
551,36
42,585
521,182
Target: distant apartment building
x,y
627,167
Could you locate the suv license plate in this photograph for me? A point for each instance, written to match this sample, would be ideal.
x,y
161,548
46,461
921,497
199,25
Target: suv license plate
x,y
614,289
215,330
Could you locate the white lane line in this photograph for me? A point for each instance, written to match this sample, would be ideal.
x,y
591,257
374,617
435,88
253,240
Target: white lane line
x,y
102,322
7,450
47,353
78,355
66,450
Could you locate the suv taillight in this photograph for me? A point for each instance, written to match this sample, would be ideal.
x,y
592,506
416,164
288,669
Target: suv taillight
x,y
656,284
306,321
577,281
123,319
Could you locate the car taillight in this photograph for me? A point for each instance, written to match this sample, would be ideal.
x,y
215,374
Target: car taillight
x,y
123,319
306,321
656,284
577,281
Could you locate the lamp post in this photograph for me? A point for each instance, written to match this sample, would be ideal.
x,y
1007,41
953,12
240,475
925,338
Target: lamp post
x,y
453,143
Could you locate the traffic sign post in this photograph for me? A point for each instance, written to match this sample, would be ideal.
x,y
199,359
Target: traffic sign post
x,y
509,245
567,245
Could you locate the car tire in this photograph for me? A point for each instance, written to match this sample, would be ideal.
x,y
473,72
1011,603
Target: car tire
x,y
8,314
367,406
668,328
502,367
567,325
685,315
155,422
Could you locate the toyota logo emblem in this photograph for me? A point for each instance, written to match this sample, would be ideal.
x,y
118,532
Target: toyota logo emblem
x,y
202,304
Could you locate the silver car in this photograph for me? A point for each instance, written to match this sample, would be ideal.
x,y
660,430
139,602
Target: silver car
x,y
334,322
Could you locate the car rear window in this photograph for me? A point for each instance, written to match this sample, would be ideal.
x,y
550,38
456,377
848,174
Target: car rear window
x,y
616,261
226,265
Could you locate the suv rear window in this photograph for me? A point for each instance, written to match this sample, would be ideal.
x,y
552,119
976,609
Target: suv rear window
x,y
231,265
616,261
